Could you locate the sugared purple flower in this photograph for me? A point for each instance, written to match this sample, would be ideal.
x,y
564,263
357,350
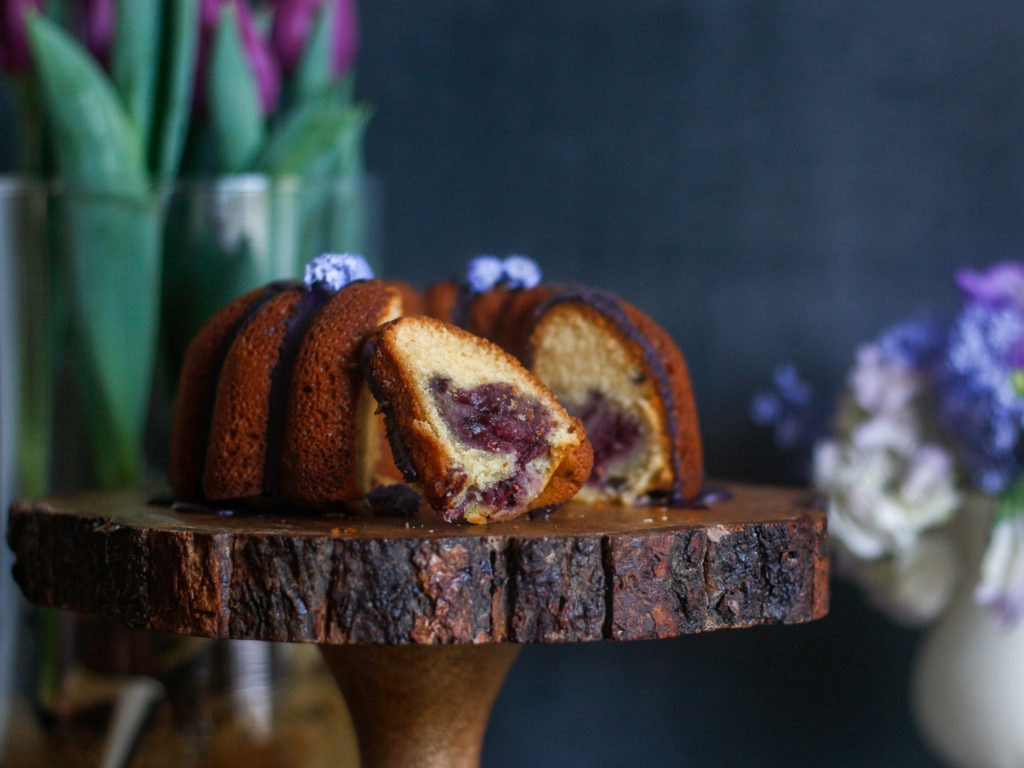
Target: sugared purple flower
x,y
336,270
486,272
999,286
293,24
521,272
483,273
15,54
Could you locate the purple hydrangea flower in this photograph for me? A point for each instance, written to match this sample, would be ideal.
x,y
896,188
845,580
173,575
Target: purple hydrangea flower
x,y
1001,285
336,270
978,402
787,409
918,344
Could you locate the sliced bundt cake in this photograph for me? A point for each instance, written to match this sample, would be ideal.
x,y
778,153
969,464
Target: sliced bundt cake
x,y
469,427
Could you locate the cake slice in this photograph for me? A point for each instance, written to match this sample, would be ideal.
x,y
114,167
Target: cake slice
x,y
470,428
621,374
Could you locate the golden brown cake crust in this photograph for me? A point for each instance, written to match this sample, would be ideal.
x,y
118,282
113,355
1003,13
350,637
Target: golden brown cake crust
x,y
237,447
194,401
439,300
319,458
415,447
686,441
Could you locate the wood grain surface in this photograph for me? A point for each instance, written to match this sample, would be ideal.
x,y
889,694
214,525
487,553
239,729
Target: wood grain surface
x,y
585,573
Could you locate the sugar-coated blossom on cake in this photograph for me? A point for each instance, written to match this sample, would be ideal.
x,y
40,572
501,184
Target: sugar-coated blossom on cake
x,y
336,270
486,272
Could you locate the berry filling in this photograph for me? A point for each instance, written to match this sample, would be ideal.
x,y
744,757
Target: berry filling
x,y
493,418
496,419
613,433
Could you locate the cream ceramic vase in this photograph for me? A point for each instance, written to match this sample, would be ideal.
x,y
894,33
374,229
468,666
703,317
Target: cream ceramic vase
x,y
967,686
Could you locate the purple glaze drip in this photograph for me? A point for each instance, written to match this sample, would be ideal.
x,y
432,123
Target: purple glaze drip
x,y
308,307
266,296
494,418
611,431
396,500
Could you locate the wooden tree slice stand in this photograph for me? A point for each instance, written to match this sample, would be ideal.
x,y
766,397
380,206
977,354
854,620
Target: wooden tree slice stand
x,y
420,620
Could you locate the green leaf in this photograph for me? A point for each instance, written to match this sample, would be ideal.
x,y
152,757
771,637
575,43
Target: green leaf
x,y
234,98
113,244
308,132
313,75
136,58
98,145
174,96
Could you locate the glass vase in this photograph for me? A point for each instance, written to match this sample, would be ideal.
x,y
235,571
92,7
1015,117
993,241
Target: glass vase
x,y
227,235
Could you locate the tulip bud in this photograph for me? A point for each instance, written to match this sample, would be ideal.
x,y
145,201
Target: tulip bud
x,y
257,50
293,25
261,58
346,36
15,55
293,22
100,24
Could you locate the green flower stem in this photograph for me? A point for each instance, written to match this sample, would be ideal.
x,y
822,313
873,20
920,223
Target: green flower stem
x,y
30,118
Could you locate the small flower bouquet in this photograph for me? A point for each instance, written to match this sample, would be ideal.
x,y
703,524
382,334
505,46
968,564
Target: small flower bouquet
x,y
929,425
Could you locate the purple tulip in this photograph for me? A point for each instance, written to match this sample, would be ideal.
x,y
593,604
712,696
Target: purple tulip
x,y
1001,285
15,54
293,24
99,27
257,50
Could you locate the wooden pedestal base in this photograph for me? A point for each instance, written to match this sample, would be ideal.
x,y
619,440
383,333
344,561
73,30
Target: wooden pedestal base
x,y
420,706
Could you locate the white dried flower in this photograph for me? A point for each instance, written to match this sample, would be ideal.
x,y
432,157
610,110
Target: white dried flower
x,y
1001,587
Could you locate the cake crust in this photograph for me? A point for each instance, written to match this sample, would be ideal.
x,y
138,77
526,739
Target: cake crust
x,y
330,444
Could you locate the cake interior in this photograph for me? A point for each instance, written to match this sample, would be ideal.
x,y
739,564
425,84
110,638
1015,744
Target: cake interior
x,y
597,372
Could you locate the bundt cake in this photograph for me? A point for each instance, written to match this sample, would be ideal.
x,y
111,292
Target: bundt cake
x,y
469,427
272,401
609,364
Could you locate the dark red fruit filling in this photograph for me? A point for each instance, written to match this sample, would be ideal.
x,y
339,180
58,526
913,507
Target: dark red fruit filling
x,y
612,432
494,418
